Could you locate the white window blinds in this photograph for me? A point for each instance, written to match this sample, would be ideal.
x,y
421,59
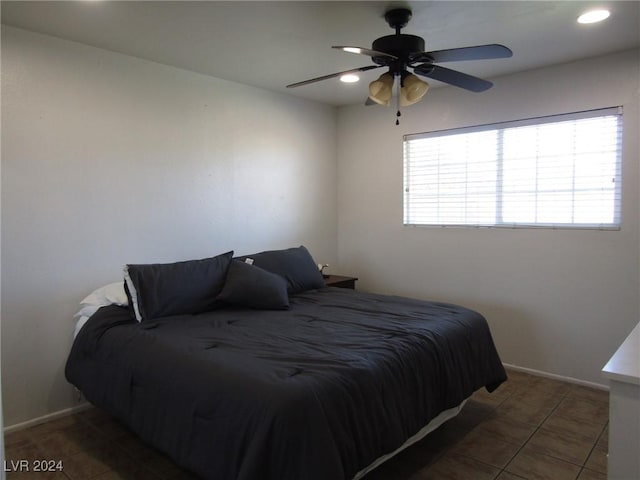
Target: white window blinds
x,y
561,171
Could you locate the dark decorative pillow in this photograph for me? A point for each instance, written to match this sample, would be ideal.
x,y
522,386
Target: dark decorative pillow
x,y
163,289
294,264
251,286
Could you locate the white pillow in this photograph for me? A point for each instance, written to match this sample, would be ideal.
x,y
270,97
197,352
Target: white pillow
x,y
112,294
79,324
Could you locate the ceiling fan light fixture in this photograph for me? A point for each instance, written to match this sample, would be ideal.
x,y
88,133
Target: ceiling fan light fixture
x,y
380,90
413,89
593,16
349,78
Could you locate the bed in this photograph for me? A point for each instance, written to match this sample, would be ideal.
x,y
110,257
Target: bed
x,y
324,387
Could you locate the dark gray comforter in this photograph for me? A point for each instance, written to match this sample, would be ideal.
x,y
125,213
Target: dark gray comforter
x,y
316,392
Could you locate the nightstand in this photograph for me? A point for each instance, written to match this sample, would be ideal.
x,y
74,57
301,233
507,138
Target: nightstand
x,y
341,281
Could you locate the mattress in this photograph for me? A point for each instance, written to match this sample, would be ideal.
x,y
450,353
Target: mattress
x,y
319,391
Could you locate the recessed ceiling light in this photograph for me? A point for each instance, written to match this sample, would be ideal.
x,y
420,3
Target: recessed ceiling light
x,y
349,78
593,16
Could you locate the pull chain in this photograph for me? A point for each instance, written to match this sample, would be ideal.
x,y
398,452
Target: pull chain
x,y
398,114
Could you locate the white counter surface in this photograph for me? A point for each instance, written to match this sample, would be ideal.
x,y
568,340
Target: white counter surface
x,y
624,366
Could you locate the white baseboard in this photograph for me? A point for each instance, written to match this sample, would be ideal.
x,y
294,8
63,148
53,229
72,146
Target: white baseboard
x,y
553,376
46,418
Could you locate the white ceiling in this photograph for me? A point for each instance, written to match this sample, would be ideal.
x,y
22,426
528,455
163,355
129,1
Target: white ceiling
x,y
270,44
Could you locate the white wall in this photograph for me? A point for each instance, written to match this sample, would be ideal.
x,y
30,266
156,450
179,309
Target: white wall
x,y
558,301
108,159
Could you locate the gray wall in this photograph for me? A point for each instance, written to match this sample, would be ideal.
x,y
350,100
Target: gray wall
x,y
108,159
557,301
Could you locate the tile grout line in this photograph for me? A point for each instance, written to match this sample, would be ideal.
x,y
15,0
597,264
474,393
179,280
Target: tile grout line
x,y
504,469
564,396
595,445
582,466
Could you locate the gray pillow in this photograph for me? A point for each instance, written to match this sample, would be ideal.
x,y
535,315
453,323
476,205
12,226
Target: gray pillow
x,y
163,289
251,286
295,265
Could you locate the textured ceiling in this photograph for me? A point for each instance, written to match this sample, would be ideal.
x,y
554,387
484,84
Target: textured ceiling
x,y
271,44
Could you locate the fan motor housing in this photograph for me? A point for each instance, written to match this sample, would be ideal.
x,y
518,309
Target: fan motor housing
x,y
401,46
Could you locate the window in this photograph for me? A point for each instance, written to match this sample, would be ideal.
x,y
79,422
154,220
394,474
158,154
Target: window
x,y
559,171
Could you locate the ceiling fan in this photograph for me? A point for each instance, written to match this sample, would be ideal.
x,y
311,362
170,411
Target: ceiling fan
x,y
401,52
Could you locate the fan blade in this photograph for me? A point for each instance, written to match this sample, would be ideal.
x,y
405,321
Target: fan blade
x,y
365,51
332,75
453,77
479,52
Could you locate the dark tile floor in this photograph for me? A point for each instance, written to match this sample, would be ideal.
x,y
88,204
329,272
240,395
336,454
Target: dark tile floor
x,y
530,428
